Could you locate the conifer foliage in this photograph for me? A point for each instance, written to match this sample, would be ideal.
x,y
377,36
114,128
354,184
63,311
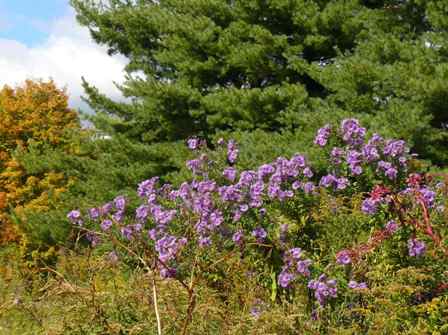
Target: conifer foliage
x,y
36,113
200,66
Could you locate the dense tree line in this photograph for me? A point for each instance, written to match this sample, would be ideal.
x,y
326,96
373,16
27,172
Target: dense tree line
x,y
267,73
198,67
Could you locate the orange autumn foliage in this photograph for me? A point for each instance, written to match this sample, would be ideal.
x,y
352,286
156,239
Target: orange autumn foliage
x,y
35,112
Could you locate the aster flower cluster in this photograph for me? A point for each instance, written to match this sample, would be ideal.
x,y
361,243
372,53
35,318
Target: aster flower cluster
x,y
294,265
324,289
343,257
323,134
204,212
416,248
420,193
386,158
357,286
379,195
75,217
232,152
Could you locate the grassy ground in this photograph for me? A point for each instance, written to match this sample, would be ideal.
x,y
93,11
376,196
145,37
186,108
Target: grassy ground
x,y
86,294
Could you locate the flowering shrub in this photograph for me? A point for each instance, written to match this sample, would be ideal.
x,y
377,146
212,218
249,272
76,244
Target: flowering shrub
x,y
177,232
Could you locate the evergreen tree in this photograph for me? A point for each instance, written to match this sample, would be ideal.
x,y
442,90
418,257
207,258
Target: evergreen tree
x,y
199,66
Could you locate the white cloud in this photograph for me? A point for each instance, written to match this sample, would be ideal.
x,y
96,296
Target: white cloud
x,y
66,55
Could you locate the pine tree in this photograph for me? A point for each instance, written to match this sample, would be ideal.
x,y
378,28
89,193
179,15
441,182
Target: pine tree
x,y
200,66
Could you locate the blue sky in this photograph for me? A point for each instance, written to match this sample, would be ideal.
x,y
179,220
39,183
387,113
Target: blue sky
x,y
40,39
27,21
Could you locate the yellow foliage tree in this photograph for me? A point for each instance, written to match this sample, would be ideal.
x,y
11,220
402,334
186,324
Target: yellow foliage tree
x,y
35,112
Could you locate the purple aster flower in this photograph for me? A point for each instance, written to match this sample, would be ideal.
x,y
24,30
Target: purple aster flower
x,y
147,187
93,238
256,309
194,165
296,185
352,284
142,212
244,208
265,170
391,227
273,190
205,241
343,257
232,152
354,159
230,174
246,178
303,267
312,284
428,196
357,286
362,286
105,225
161,216
328,180
106,208
352,132
298,160
323,134
395,148
206,186
153,234
193,143
216,218
370,153
307,172
403,161
308,187
238,238
256,202
256,189
336,155
260,234
323,289
382,165
120,203
168,247
75,217
369,206
356,170
288,194
341,183
295,253
391,173
285,278
236,216
166,273
137,227
118,216
416,248
375,139
126,232
94,213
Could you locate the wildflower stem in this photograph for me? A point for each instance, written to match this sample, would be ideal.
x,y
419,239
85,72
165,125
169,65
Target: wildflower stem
x,y
156,306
